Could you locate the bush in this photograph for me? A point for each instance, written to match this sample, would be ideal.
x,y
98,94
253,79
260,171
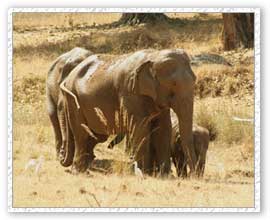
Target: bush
x,y
205,118
217,117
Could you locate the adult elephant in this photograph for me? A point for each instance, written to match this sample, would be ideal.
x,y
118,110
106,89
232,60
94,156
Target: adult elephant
x,y
145,85
59,70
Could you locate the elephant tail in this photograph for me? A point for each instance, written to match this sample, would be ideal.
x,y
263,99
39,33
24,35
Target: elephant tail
x,y
62,86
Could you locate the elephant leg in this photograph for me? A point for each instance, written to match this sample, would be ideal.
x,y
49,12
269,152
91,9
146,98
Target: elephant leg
x,y
139,143
84,145
143,157
201,142
160,142
66,153
84,152
200,169
138,131
201,162
179,159
57,133
182,166
52,111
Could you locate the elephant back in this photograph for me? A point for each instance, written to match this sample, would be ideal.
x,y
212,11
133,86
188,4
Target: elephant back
x,y
62,67
71,59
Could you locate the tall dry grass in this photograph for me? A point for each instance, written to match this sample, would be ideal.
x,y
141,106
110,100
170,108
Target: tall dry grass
x,y
218,117
29,20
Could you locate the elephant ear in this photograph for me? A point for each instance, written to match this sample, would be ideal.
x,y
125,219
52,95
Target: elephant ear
x,y
144,83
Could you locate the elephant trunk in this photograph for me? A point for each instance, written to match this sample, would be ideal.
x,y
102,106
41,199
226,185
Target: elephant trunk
x,y
184,111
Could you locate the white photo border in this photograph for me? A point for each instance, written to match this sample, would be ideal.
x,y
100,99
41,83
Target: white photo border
x,y
256,11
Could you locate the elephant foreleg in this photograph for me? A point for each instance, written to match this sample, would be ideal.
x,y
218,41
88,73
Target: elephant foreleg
x,y
179,161
160,142
139,142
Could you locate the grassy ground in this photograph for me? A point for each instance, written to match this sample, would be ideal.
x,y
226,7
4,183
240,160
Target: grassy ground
x,y
221,93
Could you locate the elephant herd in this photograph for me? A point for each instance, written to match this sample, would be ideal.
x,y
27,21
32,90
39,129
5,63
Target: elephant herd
x,y
147,96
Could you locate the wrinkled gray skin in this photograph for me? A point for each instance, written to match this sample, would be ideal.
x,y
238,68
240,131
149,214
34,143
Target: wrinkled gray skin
x,y
200,141
59,70
146,84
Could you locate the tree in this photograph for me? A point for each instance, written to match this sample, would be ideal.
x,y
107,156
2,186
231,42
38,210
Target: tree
x,y
238,30
138,18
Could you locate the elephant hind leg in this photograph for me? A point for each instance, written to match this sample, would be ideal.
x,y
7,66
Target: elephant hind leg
x,y
84,143
67,150
68,147
52,111
84,152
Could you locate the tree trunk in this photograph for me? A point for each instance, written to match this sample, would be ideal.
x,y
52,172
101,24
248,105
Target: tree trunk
x,y
138,18
238,30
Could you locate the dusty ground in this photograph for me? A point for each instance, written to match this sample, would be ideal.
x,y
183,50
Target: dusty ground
x,y
222,92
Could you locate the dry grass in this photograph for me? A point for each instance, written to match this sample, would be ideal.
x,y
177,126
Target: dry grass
x,y
117,191
30,21
217,115
111,183
25,21
219,80
51,39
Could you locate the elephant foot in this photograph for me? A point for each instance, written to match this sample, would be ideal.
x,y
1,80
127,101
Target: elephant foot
x,y
80,166
83,163
148,170
75,172
165,169
199,174
182,173
61,154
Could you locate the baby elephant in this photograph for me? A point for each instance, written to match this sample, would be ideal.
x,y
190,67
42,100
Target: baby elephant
x,y
200,140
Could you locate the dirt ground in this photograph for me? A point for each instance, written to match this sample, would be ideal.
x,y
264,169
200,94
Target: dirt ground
x,y
223,92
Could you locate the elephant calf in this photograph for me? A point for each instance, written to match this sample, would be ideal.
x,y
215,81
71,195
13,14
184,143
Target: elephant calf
x,y
200,141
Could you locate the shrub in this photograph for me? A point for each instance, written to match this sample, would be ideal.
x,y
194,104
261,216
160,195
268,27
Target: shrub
x,y
205,118
217,117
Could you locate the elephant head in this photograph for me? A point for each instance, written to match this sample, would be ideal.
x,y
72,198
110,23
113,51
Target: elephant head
x,y
166,77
